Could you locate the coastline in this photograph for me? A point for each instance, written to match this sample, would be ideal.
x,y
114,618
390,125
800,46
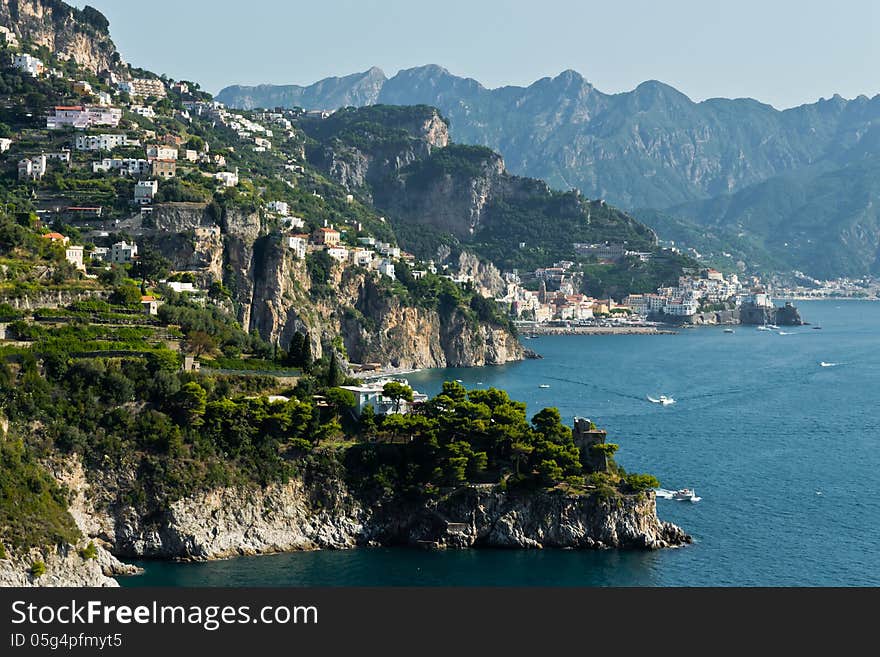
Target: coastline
x,y
598,330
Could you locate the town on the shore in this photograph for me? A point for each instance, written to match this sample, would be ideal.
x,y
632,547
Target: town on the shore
x,y
551,296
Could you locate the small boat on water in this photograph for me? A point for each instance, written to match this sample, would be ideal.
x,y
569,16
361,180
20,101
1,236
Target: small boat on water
x,y
662,399
729,331
764,327
817,328
544,385
772,327
824,364
685,495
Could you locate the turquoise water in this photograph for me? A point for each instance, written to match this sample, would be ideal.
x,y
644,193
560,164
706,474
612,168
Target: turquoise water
x,y
783,452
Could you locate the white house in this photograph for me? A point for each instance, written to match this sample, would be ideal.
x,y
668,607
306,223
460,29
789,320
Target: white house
x,y
101,253
145,190
227,178
298,244
32,168
104,98
338,253
104,142
371,393
83,116
28,64
179,287
279,207
386,268
74,255
361,257
293,222
5,144
122,252
160,152
146,112
126,167
61,156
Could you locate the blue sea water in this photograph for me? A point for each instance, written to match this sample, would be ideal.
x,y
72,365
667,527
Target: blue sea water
x,y
785,454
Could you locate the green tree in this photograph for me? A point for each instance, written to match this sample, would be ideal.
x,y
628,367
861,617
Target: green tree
x,y
334,372
368,420
126,295
397,392
151,265
339,400
191,401
200,343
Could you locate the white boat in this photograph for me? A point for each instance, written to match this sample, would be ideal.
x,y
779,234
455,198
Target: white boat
x,y
729,331
764,328
824,364
685,495
772,327
663,399
544,385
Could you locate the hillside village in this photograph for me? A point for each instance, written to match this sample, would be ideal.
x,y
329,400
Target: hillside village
x,y
110,133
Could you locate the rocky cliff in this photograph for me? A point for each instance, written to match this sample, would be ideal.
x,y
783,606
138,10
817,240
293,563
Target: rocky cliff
x,y
322,512
70,33
358,156
64,566
272,294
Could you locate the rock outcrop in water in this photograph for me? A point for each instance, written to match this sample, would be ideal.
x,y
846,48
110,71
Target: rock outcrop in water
x,y
320,511
64,566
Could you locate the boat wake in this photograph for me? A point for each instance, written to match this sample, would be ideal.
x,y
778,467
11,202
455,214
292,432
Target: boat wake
x,y
664,400
664,494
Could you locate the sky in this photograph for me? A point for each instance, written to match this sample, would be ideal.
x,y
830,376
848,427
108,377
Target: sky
x,y
781,52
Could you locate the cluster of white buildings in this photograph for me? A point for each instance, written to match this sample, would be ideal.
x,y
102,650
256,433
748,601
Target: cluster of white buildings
x,y
685,299
367,254
542,306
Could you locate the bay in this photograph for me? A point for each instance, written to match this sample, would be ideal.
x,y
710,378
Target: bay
x,y
782,450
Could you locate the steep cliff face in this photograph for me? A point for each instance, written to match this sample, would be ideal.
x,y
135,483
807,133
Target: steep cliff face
x,y
486,276
81,35
357,155
271,290
321,512
447,198
375,325
384,330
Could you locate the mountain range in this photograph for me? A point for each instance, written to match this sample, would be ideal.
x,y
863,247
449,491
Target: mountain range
x,y
790,189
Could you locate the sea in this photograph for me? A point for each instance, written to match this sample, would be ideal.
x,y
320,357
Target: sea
x,y
777,432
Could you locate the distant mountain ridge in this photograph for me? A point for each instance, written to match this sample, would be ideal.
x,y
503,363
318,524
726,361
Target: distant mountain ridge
x,y
651,147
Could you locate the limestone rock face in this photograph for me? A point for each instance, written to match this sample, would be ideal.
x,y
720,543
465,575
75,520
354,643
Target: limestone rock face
x,y
325,514
239,521
64,567
67,34
480,516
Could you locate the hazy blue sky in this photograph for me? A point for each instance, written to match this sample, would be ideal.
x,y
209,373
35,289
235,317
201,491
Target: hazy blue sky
x,y
782,52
